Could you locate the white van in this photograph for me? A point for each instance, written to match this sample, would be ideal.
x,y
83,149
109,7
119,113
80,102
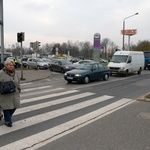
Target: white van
x,y
125,62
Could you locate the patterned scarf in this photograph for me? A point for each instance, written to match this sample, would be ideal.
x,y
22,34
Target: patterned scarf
x,y
9,72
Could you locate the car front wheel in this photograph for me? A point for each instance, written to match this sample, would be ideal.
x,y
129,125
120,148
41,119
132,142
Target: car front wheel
x,y
38,67
86,79
50,68
62,70
106,77
69,81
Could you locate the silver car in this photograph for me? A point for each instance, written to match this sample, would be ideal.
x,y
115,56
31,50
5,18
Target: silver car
x,y
36,63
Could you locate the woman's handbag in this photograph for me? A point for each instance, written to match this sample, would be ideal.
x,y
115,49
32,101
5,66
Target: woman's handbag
x,y
7,87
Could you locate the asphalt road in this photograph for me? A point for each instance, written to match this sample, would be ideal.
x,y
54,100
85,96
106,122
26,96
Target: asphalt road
x,y
100,115
125,129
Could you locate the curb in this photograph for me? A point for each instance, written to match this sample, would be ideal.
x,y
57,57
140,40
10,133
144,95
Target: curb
x,y
24,81
40,78
144,98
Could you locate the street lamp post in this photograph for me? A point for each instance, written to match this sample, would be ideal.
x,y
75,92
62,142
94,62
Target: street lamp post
x,y
123,31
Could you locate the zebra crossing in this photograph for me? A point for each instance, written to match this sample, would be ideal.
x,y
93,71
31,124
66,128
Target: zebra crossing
x,y
43,119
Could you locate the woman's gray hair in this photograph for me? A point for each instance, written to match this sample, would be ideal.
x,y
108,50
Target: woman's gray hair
x,y
9,61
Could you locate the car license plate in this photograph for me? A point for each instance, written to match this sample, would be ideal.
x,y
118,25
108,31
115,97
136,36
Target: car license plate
x,y
69,77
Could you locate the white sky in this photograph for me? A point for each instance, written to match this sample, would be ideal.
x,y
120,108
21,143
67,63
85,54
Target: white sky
x,y
58,21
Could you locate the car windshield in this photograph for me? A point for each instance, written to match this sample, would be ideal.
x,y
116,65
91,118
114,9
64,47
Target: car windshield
x,y
119,58
84,67
40,60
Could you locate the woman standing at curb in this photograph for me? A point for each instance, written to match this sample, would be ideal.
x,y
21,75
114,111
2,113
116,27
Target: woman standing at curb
x,y
10,102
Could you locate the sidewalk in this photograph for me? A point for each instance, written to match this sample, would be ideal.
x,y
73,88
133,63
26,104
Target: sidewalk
x,y
33,75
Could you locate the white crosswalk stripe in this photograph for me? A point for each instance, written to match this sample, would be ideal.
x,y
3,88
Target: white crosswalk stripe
x,y
36,88
41,92
72,97
47,96
50,103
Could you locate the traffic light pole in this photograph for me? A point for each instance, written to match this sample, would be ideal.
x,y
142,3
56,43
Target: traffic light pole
x,y
20,38
21,63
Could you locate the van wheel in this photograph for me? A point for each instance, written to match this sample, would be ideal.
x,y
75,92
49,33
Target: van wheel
x,y
126,73
140,70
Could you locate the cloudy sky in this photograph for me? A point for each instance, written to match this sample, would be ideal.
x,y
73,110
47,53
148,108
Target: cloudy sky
x,y
58,21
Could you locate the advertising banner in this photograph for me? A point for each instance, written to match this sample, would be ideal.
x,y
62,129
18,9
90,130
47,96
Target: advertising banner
x,y
96,47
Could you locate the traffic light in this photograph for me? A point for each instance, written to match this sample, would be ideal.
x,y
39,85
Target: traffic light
x,y
31,44
20,37
39,44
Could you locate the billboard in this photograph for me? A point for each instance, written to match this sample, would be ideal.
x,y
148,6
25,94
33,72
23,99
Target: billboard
x,y
96,47
97,38
129,32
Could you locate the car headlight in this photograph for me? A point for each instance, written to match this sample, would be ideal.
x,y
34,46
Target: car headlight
x,y
65,74
122,68
77,75
66,67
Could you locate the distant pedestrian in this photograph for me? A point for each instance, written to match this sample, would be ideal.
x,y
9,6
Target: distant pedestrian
x,y
16,62
11,101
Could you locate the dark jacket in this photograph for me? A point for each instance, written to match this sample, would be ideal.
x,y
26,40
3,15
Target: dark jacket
x,y
1,65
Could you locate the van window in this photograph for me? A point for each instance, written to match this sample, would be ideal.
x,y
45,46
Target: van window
x,y
119,58
129,59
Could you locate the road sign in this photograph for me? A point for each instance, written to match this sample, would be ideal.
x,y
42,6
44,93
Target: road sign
x,y
129,32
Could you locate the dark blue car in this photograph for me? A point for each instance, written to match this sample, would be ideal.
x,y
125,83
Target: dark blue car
x,y
88,72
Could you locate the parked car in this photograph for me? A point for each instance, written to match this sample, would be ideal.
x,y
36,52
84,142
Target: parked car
x,y
83,62
74,59
24,61
36,64
61,65
103,60
48,61
88,72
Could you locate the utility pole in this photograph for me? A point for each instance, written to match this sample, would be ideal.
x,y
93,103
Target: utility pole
x,y
2,31
123,30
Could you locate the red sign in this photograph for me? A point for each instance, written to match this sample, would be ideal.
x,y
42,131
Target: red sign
x,y
129,32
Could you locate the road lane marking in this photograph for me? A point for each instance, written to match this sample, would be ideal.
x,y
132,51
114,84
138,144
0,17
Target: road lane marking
x,y
50,103
36,88
47,96
41,92
53,114
44,137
